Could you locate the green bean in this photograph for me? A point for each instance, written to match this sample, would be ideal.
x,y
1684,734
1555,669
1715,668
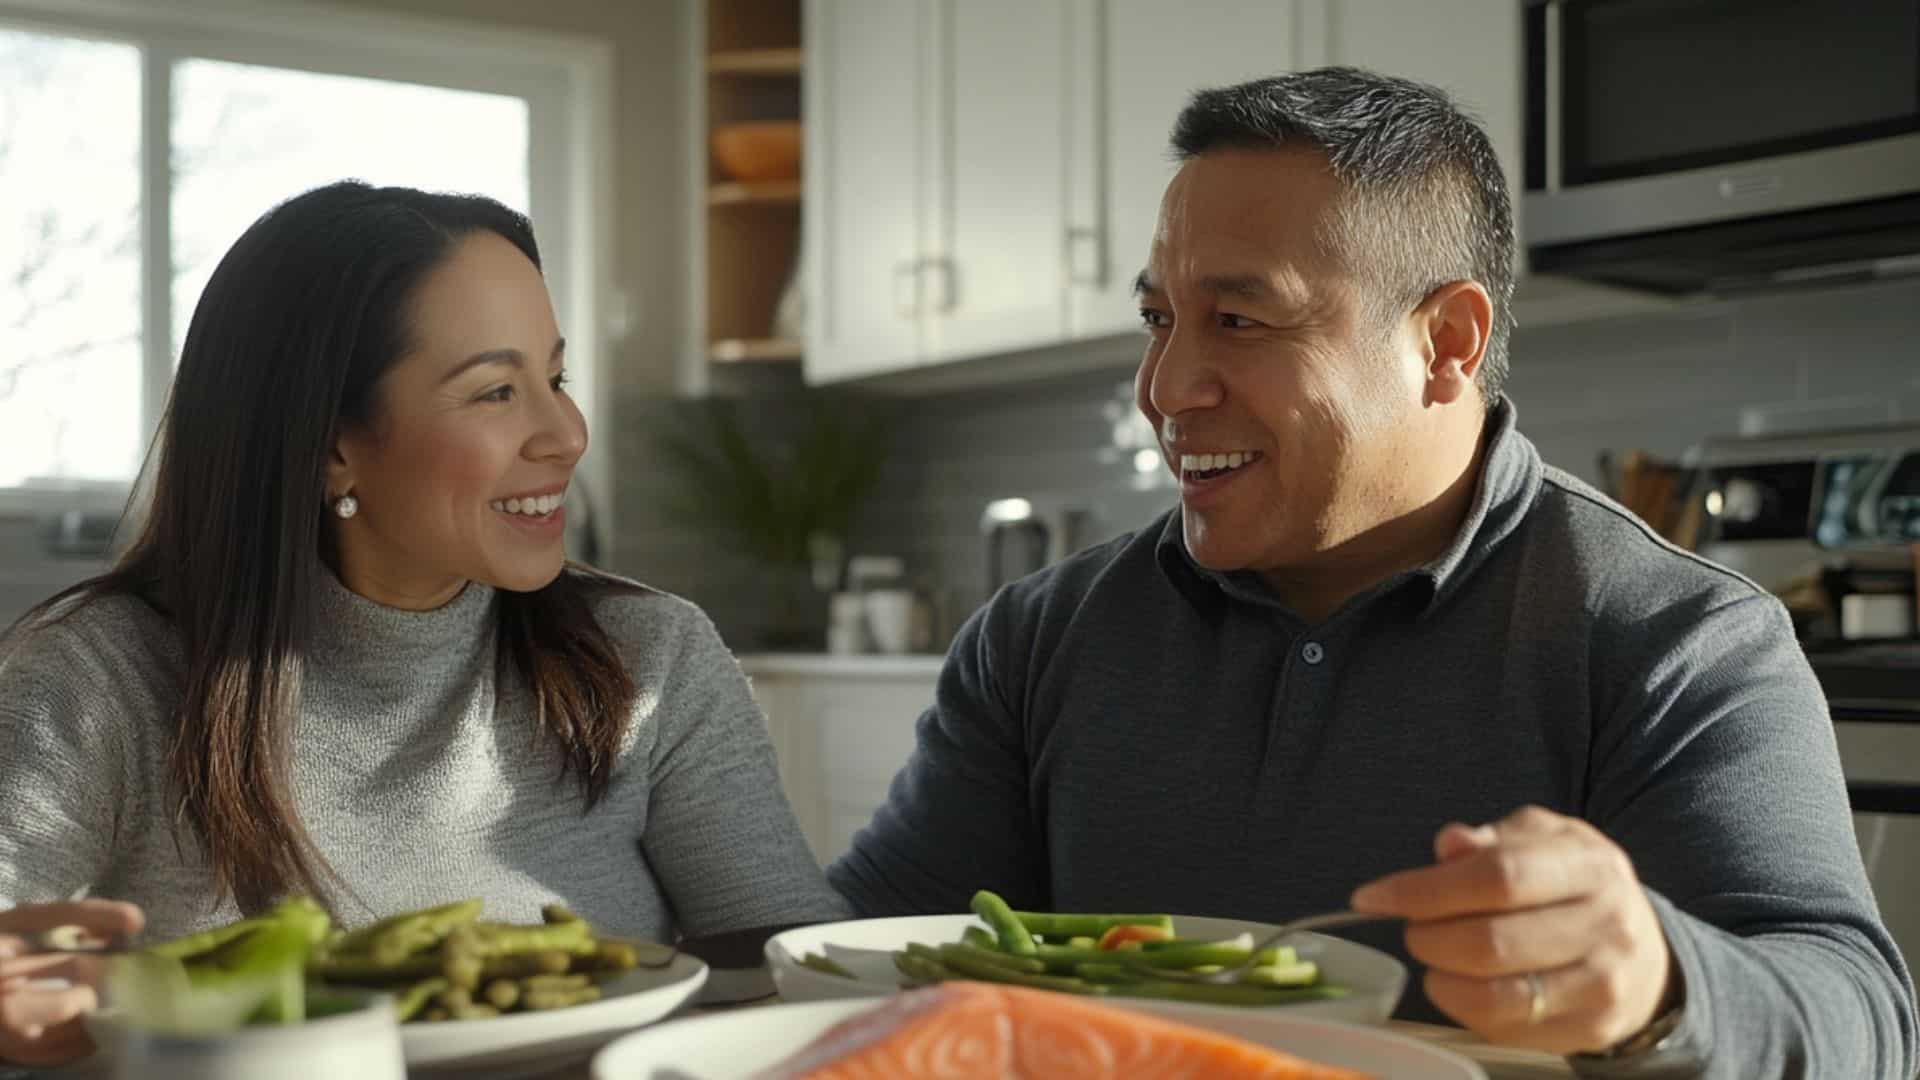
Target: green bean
x,y
1015,937
962,963
455,998
360,968
408,1003
194,945
494,939
304,912
1093,971
824,965
1060,959
521,965
472,1012
503,994
535,1000
361,940
275,953
920,969
1188,956
980,937
555,982
1083,943
1093,926
1024,965
467,949
557,913
420,931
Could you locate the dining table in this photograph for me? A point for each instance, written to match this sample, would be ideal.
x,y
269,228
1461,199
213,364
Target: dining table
x,y
1500,1062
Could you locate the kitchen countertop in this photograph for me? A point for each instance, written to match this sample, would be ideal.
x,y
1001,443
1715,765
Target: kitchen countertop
x,y
863,666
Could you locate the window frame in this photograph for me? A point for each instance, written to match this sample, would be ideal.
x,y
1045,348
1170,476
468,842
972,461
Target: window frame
x,y
565,79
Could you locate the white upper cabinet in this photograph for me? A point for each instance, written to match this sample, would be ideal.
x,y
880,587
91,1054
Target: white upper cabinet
x,y
984,176
998,208
1470,48
1138,62
862,184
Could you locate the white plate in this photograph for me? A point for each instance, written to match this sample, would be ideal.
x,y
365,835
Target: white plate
x,y
732,1046
1373,979
534,1041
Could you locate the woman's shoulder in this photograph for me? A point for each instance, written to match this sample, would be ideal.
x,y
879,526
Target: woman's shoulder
x,y
110,656
650,626
109,633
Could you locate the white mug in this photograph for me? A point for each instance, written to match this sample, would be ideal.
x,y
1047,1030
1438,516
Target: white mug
x,y
890,619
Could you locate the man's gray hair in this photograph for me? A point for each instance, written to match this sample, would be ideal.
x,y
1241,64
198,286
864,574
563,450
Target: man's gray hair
x,y
1424,200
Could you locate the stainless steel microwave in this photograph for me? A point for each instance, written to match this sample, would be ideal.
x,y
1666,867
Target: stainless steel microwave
x,y
1683,146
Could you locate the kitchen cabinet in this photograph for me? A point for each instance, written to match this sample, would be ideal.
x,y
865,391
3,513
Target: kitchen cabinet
x,y
1470,48
842,726
1136,62
984,176
862,198
934,142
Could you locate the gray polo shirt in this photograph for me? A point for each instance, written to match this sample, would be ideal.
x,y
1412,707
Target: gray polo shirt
x,y
1128,731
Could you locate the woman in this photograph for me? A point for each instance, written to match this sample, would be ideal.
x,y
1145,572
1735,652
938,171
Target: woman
x,y
346,655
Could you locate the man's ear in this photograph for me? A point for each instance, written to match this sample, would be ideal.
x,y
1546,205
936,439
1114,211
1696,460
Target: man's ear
x,y
1457,320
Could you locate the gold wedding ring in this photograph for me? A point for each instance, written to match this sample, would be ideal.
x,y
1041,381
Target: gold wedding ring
x,y
1536,998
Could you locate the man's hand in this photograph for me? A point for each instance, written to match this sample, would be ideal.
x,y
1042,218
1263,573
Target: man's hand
x,y
1535,932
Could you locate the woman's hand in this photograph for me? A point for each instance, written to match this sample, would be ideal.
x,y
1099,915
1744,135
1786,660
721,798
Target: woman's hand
x,y
42,1027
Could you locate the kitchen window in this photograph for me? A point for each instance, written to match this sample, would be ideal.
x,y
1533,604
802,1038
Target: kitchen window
x,y
137,141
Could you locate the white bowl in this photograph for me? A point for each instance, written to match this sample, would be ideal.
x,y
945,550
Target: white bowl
x,y
360,1045
736,1045
1373,979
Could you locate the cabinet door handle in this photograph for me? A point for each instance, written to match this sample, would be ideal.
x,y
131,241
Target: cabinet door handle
x,y
906,289
946,298
1086,257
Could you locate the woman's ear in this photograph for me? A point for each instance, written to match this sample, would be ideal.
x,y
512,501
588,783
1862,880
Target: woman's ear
x,y
339,469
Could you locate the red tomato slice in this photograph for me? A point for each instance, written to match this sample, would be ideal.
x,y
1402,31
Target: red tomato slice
x,y
1122,937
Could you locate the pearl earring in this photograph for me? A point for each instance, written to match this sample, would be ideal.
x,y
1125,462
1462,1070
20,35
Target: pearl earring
x,y
346,506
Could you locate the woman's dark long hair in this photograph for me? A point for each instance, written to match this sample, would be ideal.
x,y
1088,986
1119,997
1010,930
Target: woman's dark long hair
x,y
289,342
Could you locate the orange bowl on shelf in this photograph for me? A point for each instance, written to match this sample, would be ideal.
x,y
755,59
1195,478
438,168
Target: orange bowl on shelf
x,y
758,151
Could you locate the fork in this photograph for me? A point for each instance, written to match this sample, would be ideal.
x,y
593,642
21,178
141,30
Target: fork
x,y
76,941
1326,921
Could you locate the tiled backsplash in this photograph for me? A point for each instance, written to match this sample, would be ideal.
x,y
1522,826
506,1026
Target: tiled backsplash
x,y
1660,383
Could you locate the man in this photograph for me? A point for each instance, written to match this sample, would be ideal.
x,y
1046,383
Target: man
x,y
1376,616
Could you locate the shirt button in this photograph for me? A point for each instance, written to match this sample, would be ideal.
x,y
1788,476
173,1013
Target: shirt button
x,y
1312,653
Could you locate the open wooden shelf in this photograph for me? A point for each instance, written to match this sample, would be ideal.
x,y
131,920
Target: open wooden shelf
x,y
763,193
755,62
748,350
749,231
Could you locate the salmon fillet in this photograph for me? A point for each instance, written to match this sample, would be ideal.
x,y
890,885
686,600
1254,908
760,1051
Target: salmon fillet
x,y
978,1031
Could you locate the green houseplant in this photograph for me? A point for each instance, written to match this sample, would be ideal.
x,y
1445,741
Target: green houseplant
x,y
783,489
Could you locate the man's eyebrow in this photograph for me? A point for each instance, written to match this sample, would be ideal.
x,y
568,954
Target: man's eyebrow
x,y
1255,287
1241,286
511,357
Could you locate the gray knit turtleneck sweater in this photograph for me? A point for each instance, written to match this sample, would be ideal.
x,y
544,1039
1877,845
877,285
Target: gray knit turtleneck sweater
x,y
418,774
